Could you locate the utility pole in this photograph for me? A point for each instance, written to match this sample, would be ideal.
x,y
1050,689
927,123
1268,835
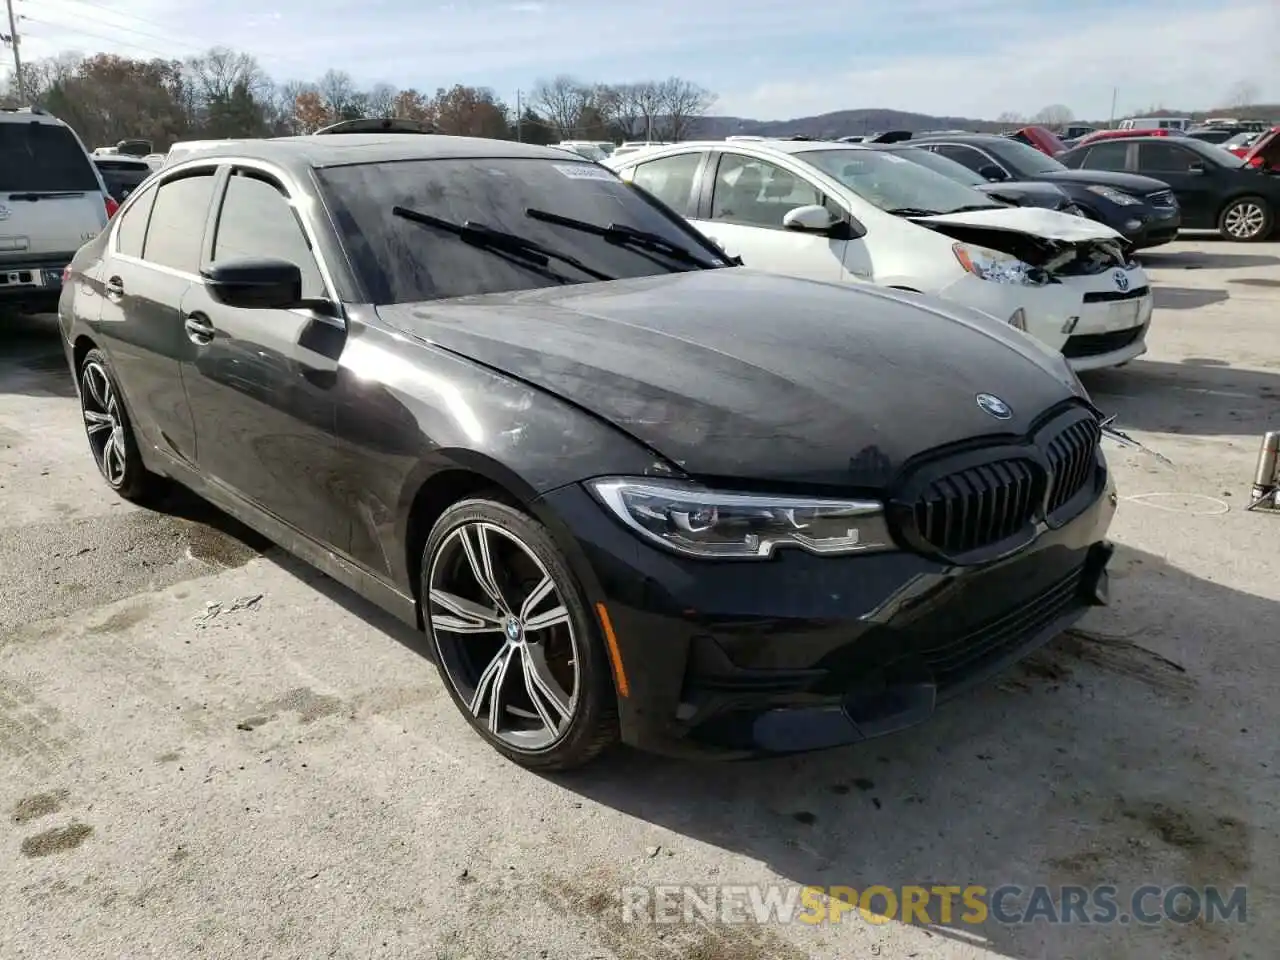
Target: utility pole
x,y
17,57
1112,122
519,116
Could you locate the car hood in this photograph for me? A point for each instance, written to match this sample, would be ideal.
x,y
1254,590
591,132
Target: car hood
x,y
1026,193
1128,182
1035,221
734,373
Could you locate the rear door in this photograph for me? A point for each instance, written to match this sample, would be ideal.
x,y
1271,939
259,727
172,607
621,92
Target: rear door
x,y
153,259
51,199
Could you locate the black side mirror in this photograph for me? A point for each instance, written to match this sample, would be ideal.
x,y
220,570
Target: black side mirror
x,y
256,283
993,173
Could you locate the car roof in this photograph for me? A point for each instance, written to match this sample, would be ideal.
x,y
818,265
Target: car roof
x,y
964,137
28,115
343,149
773,146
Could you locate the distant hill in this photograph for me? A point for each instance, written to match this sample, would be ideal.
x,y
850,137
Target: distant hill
x,y
841,123
847,123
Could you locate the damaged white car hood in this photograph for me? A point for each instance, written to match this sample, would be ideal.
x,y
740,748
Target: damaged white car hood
x,y
1035,221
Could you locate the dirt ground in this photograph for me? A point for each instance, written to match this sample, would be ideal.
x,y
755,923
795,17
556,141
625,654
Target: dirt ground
x,y
207,749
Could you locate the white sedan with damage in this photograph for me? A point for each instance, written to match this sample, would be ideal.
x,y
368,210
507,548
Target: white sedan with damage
x,y
840,212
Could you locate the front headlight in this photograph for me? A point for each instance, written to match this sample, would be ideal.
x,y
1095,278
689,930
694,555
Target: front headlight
x,y
1114,195
998,267
698,522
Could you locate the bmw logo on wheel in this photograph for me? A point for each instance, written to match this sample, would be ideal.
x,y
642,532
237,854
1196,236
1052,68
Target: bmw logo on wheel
x,y
994,405
1122,281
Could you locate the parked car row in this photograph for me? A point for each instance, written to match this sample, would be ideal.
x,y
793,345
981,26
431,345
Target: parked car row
x,y
629,489
858,213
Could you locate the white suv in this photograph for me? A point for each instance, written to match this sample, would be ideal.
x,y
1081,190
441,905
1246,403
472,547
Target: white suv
x,y
52,201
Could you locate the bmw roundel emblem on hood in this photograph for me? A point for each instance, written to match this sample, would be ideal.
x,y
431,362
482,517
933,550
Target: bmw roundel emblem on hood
x,y
994,405
1122,281
4,212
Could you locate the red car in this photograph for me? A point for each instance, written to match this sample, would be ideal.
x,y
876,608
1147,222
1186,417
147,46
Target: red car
x,y
1042,138
1263,153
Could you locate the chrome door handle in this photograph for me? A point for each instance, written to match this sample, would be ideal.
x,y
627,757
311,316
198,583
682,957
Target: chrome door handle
x,y
198,328
114,288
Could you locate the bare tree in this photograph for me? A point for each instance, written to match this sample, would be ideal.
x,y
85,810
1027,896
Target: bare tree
x,y
684,103
337,90
1243,94
647,101
1054,115
380,100
1011,118
216,74
561,102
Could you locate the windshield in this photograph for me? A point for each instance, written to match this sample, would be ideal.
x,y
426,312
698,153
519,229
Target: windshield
x,y
399,260
44,157
943,165
1241,140
588,150
884,179
1026,162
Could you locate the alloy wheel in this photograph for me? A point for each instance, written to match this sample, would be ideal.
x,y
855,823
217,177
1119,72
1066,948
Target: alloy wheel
x,y
504,634
1245,220
102,422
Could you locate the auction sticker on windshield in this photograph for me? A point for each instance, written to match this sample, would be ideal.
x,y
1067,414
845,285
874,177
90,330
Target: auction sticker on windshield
x,y
584,171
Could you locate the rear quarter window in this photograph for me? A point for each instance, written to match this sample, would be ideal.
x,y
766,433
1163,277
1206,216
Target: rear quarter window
x,y
43,157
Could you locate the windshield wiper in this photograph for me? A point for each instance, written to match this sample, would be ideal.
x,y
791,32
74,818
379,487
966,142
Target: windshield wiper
x,y
624,235
486,238
978,206
912,212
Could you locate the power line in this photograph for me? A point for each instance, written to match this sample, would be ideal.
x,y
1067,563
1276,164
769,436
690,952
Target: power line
x,y
166,54
131,30
116,13
77,31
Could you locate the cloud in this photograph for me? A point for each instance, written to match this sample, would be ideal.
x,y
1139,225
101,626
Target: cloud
x,y
1148,55
768,59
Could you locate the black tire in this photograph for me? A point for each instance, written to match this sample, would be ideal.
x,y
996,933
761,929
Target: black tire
x,y
110,434
590,723
1246,220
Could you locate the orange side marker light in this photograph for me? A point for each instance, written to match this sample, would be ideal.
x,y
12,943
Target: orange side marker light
x,y
615,655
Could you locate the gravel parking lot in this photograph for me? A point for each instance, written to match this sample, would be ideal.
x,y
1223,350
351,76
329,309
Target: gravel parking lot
x,y
208,749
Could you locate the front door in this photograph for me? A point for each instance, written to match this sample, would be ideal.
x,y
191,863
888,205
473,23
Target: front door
x,y
1193,179
749,198
260,381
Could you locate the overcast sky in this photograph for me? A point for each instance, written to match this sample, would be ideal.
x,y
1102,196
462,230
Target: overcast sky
x,y
766,59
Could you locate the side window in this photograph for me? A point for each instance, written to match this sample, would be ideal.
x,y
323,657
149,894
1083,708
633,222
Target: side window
x,y
1165,158
176,233
132,228
256,220
757,193
1108,155
968,156
670,179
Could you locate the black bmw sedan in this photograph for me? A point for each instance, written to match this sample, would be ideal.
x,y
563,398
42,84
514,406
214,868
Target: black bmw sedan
x,y
628,489
1143,209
